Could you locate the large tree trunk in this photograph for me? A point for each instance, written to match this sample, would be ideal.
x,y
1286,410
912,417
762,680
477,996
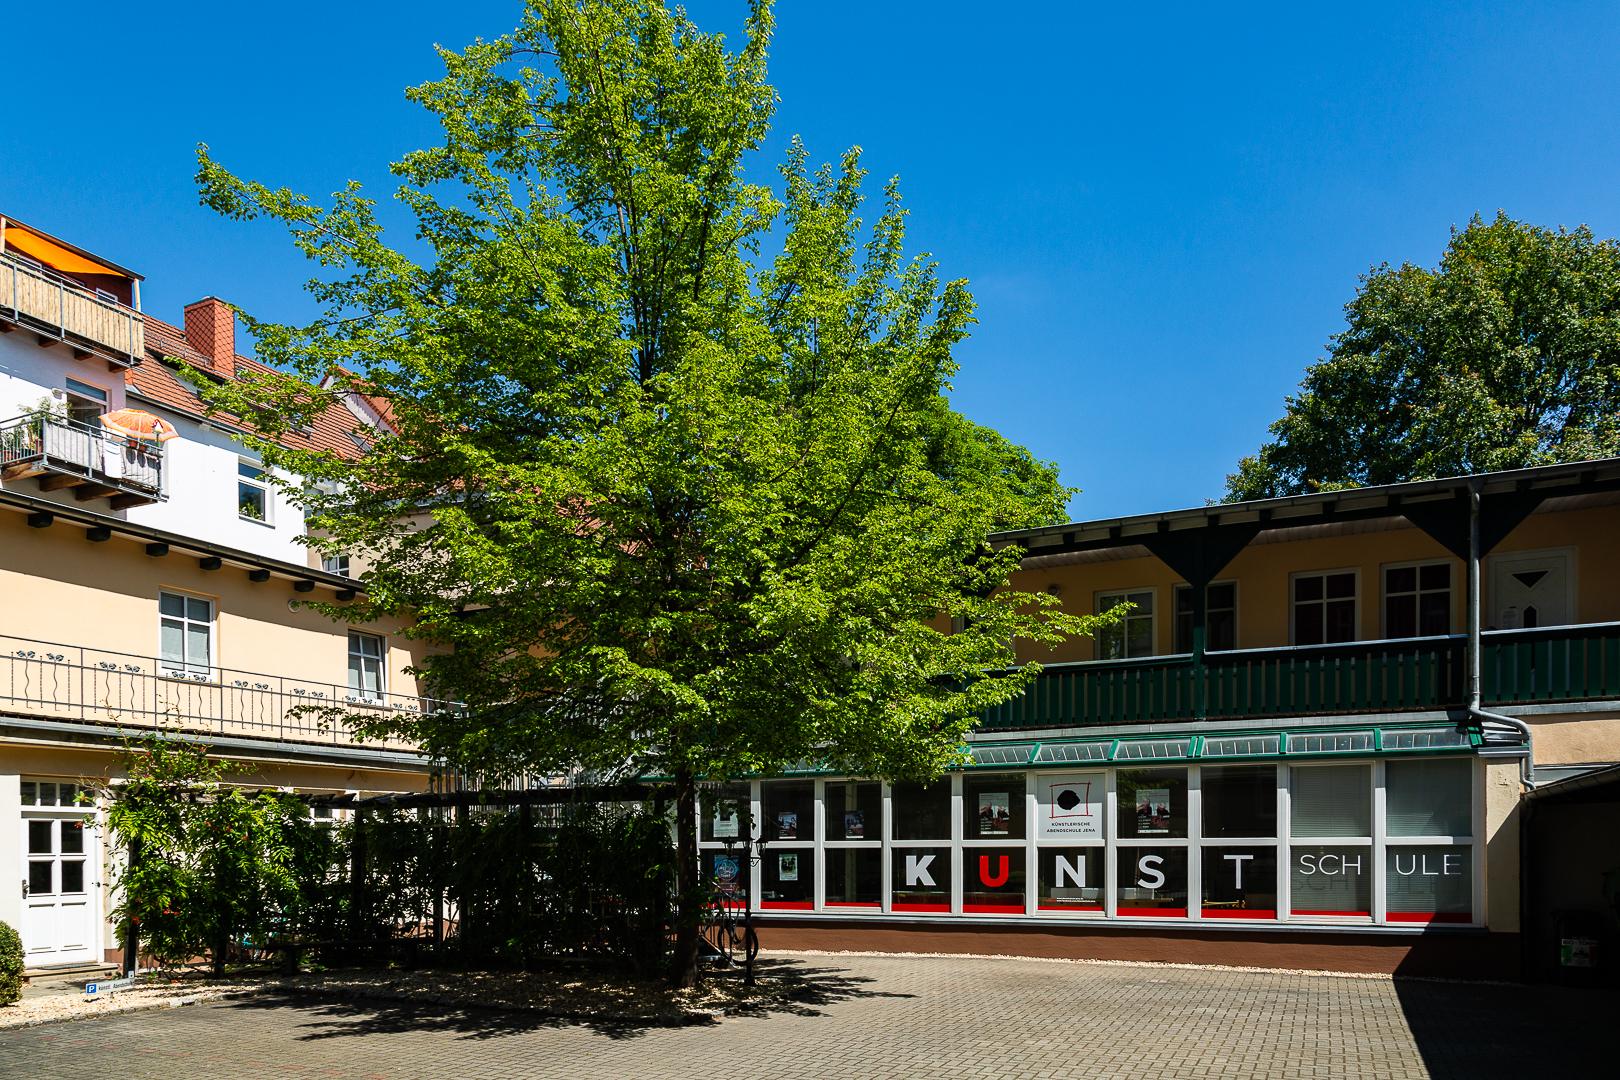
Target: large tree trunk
x,y
688,893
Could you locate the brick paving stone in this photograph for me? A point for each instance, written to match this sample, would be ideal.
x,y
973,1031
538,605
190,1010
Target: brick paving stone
x,y
888,1016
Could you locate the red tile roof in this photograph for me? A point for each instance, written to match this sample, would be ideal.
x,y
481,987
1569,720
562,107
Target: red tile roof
x,y
155,379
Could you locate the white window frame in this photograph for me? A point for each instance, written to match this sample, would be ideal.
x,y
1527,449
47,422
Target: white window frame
x,y
1124,596
1417,593
261,483
188,668
335,564
358,694
1293,605
1385,844
1372,844
1176,591
824,843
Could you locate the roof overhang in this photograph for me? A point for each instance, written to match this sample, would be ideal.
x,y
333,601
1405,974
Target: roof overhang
x,y
1559,483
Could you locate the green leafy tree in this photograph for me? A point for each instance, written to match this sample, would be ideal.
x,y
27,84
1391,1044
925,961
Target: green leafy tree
x,y
1507,355
671,505
215,865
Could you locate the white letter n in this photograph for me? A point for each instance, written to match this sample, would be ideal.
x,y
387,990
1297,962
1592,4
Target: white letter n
x,y
1074,872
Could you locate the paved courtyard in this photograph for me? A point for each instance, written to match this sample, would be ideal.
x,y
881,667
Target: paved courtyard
x,y
886,1016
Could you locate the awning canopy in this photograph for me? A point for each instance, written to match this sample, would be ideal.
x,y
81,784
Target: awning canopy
x,y
55,254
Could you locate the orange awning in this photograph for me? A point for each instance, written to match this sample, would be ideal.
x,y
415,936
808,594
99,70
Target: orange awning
x,y
53,254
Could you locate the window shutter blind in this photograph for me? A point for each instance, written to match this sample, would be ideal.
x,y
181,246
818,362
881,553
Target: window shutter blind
x,y
1331,800
1428,798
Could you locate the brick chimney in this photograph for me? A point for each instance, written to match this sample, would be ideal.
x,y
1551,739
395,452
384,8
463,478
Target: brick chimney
x,y
211,330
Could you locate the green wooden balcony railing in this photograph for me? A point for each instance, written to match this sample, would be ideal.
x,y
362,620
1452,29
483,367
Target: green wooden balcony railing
x,y
1558,663
1565,663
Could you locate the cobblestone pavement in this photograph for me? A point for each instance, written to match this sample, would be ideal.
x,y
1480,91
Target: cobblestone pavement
x,y
860,1016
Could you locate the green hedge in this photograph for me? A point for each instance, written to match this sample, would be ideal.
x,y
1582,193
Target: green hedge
x,y
11,965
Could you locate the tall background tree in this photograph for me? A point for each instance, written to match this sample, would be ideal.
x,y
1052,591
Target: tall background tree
x,y
670,506
1506,355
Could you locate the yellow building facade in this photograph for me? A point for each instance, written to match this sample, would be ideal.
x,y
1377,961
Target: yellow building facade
x,y
154,584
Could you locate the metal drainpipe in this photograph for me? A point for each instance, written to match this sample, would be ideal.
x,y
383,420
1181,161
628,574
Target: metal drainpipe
x,y
1527,764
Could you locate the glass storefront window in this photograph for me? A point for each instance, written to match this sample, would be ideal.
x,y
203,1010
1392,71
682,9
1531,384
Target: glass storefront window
x,y
922,879
923,811
1069,806
993,806
1239,800
1331,800
788,879
1330,881
1239,882
854,810
1050,853
1429,797
993,880
1152,802
788,809
724,813
1071,879
1429,883
1152,881
854,877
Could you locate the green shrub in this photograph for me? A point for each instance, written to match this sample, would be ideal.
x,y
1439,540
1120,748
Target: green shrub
x,y
11,965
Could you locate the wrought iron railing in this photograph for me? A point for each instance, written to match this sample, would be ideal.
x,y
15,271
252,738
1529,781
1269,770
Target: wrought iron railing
x,y
71,682
41,443
69,311
1552,664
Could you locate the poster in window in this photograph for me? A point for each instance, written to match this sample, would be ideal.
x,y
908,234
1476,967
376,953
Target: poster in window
x,y
995,813
726,821
726,872
787,867
787,825
854,824
1152,811
1071,805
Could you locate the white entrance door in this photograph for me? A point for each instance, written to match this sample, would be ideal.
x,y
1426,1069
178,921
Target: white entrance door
x,y
61,917
1530,590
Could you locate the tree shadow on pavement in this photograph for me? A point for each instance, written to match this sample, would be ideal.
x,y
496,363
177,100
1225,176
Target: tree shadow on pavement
x,y
1492,1029
786,987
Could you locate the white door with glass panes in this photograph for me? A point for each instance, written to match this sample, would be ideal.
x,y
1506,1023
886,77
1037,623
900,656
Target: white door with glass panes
x,y
60,874
1530,590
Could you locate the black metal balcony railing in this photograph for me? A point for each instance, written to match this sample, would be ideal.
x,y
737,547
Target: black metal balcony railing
x,y
96,461
69,682
1552,664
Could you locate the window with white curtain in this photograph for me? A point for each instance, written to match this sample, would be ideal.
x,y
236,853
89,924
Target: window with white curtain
x,y
367,675
186,635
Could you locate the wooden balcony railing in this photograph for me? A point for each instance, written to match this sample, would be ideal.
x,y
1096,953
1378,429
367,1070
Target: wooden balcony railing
x,y
55,307
1553,664
69,682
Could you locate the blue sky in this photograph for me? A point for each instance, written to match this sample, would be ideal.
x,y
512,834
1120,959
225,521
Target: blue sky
x,y
1161,211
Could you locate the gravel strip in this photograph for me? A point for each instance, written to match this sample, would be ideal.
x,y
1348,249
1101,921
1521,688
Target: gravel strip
x,y
50,1008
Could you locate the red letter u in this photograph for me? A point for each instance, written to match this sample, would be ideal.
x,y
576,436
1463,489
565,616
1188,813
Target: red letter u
x,y
1001,873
